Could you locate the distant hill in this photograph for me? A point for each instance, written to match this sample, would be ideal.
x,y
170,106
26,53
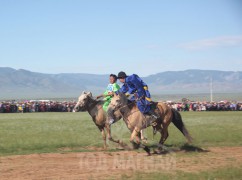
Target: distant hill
x,y
195,81
26,84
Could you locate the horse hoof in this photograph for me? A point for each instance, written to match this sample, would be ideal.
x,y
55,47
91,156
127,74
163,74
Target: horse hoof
x,y
120,148
160,147
156,152
147,150
135,145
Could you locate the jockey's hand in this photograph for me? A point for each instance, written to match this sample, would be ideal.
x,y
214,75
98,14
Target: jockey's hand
x,y
98,97
110,93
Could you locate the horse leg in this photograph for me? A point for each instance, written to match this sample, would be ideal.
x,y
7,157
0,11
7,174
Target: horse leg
x,y
143,138
104,138
119,142
110,138
137,144
164,135
102,130
135,135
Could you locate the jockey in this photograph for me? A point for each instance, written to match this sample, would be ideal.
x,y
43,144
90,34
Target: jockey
x,y
133,84
108,94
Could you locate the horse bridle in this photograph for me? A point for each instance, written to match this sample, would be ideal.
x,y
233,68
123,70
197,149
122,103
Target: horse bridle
x,y
87,106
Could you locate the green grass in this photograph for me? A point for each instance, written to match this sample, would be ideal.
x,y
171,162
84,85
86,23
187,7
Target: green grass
x,y
52,132
46,132
232,173
211,128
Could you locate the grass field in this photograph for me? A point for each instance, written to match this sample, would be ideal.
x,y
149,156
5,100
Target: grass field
x,y
53,132
75,132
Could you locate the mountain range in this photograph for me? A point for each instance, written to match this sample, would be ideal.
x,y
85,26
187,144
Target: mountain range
x,y
16,84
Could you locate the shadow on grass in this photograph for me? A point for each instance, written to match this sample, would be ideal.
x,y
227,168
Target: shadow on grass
x,y
192,148
169,148
155,149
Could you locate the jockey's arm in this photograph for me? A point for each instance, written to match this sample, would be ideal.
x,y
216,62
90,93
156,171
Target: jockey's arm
x,y
110,93
137,82
101,95
123,89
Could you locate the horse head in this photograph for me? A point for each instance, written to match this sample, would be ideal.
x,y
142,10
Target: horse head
x,y
118,101
82,102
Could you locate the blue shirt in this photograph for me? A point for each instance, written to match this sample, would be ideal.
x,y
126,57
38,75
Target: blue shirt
x,y
133,84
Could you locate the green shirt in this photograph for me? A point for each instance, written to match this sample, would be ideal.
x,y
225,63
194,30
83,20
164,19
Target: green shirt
x,y
111,88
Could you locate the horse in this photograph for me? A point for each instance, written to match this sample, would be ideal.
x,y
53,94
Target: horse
x,y
94,107
137,121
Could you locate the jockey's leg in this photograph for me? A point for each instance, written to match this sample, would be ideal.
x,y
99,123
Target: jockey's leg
x,y
145,107
105,105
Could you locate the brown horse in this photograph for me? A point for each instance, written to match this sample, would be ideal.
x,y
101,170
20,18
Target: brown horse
x,y
99,116
136,121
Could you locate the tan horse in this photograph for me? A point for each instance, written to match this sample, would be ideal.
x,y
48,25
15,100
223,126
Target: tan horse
x,y
136,121
99,116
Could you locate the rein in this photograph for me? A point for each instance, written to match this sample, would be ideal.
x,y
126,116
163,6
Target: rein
x,y
128,114
125,106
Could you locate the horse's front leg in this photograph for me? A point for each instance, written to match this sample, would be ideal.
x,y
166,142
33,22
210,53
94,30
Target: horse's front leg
x,y
104,138
135,135
137,144
143,138
110,138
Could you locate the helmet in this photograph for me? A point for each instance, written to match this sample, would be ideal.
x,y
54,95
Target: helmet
x,y
122,74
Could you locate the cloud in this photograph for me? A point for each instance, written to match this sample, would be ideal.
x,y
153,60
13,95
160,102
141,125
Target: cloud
x,y
223,41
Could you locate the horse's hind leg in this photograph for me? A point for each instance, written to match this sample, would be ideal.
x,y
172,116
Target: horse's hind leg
x,y
164,135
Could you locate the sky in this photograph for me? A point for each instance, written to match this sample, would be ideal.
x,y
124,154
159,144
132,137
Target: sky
x,y
107,36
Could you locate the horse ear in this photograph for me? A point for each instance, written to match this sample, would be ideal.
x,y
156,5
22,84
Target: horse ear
x,y
119,94
89,94
83,92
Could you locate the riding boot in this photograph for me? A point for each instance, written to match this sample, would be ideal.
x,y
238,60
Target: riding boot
x,y
154,116
111,121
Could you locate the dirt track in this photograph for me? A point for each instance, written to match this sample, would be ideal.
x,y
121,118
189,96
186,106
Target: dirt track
x,y
88,165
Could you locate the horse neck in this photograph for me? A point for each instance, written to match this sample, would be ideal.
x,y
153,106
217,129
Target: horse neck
x,y
125,110
91,105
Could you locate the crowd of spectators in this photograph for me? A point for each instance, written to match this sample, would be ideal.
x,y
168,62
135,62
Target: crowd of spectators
x,y
64,106
206,106
36,106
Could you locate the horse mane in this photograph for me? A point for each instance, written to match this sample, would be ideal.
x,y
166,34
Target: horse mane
x,y
95,101
131,104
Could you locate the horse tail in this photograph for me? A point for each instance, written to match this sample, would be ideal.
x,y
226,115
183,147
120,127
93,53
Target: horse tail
x,y
177,121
